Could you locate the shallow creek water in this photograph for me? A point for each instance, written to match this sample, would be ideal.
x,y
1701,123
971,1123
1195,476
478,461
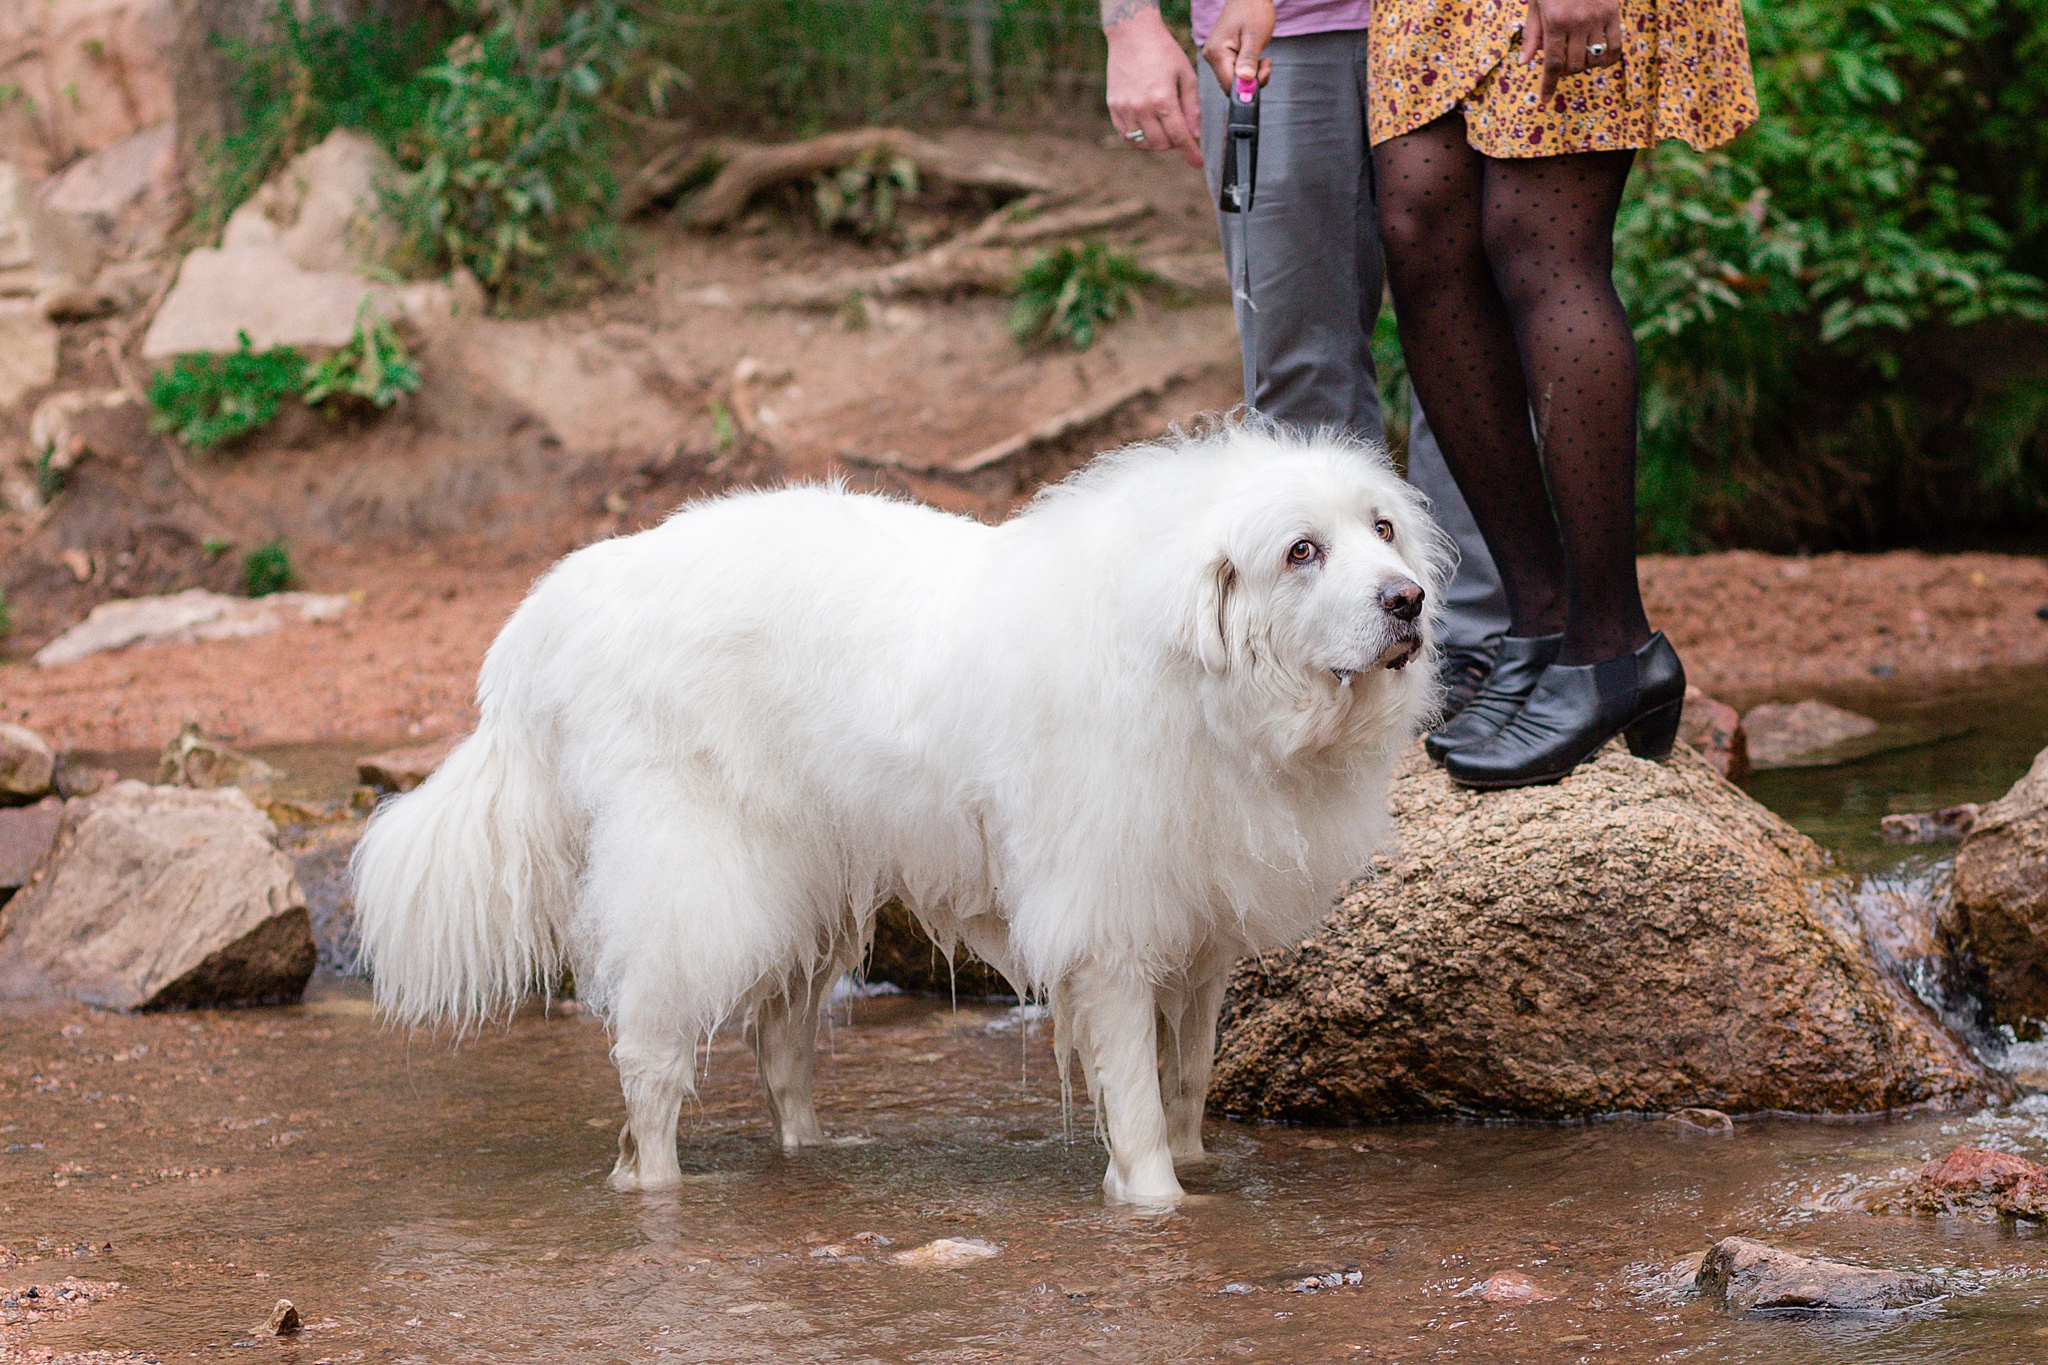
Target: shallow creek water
x,y
424,1202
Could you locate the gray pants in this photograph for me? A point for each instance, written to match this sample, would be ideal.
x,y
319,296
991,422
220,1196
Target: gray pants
x,y
1318,282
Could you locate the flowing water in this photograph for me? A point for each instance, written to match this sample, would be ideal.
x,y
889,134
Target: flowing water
x,y
424,1202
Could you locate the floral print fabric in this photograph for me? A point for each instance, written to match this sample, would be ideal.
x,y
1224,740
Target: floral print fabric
x,y
1684,74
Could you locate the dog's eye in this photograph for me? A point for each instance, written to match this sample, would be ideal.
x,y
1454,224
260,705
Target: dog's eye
x,y
1384,529
1304,551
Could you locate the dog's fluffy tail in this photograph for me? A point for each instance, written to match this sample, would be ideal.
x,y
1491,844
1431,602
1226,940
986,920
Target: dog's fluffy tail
x,y
464,885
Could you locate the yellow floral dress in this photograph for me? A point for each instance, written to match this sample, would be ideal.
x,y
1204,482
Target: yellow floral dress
x,y
1684,73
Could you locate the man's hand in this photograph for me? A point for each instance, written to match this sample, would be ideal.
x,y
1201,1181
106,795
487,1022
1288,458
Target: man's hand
x,y
1241,34
1563,32
1151,81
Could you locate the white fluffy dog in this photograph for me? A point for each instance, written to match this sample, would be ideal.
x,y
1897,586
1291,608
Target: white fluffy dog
x,y
1138,730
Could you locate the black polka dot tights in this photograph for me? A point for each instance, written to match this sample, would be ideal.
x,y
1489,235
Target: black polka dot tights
x,y
1502,275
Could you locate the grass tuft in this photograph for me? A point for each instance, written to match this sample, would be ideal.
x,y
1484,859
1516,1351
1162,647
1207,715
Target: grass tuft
x,y
1068,292
268,569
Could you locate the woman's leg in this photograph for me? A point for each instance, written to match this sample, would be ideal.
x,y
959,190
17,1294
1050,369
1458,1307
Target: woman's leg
x,y
1549,234
1460,342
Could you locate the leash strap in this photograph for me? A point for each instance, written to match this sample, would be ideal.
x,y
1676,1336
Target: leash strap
x,y
1240,175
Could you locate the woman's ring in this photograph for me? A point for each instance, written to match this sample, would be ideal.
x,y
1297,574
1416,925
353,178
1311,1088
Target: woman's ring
x,y
1137,136
1596,49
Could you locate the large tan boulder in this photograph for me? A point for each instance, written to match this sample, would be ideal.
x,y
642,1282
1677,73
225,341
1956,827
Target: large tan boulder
x,y
1638,937
89,73
158,897
2001,896
293,266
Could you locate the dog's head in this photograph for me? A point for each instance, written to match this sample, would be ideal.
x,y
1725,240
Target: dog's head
x,y
1316,584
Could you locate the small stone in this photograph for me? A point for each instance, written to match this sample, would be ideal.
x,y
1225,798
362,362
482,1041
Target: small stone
x,y
28,765
1238,1287
947,1253
1698,1120
82,779
28,351
1511,1286
193,760
1756,1277
1782,736
400,770
1945,826
1714,728
182,617
284,1320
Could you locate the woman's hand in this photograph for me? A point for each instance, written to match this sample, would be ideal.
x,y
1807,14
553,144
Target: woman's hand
x,y
1151,81
1566,33
1241,34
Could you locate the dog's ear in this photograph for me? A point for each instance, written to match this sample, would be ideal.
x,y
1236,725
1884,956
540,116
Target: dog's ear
x,y
1215,624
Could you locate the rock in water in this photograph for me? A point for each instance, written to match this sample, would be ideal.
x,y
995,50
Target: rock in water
x,y
947,1253
400,770
1754,1276
1973,1178
1638,937
157,897
28,766
1782,736
2001,895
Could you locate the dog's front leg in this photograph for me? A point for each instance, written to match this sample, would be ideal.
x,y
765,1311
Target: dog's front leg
x,y
1186,1053
1114,1027
656,1070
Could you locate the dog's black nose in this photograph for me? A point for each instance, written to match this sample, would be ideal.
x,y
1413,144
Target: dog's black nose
x,y
1401,598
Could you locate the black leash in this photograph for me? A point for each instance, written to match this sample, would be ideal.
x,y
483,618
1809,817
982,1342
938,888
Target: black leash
x,y
1240,172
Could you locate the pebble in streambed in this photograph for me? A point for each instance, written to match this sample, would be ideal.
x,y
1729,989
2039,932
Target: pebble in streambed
x,y
947,1253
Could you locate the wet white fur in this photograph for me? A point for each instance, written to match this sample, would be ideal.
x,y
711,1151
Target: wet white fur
x,y
1109,744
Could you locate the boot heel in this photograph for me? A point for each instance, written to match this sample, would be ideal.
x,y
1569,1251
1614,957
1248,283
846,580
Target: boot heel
x,y
1652,734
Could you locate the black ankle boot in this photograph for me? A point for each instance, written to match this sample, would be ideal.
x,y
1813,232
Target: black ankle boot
x,y
1516,668
1576,709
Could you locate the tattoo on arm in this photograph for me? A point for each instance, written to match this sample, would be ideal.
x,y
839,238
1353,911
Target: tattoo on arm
x,y
1116,11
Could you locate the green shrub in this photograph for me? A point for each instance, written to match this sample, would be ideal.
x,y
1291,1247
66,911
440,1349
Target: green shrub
x,y
210,400
268,569
374,368
1068,292
6,617
507,168
310,75
1840,313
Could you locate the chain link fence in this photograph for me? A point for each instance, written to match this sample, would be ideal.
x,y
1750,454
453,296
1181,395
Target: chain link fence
x,y
801,65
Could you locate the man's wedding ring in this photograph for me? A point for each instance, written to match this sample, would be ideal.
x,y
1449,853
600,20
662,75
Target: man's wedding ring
x,y
1596,49
1137,136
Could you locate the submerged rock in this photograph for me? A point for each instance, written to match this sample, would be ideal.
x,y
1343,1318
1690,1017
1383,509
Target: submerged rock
x,y
947,1253
1786,736
1757,1277
1511,1286
1638,937
1709,1121
2001,898
159,897
1949,825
